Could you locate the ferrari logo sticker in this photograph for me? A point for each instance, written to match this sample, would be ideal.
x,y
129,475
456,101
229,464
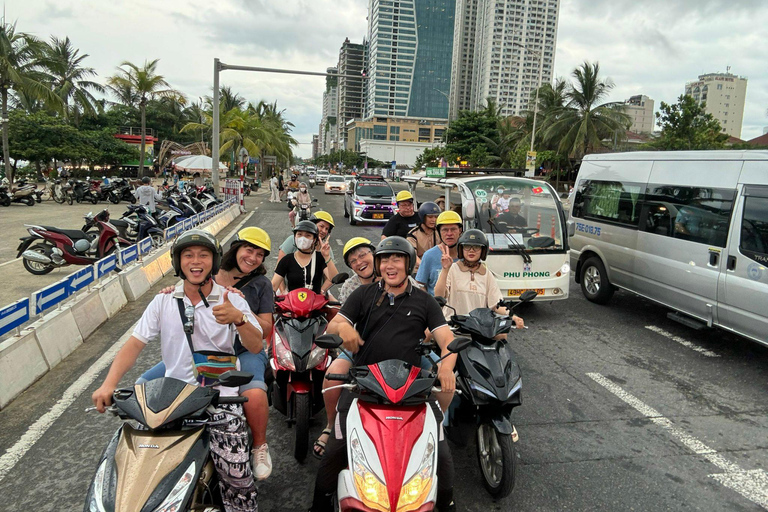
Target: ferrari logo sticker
x,y
302,296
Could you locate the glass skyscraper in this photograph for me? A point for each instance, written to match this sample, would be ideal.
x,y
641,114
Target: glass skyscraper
x,y
409,58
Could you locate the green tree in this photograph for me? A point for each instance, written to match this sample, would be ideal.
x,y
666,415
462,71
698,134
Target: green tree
x,y
470,129
21,69
70,79
431,157
584,122
685,125
143,84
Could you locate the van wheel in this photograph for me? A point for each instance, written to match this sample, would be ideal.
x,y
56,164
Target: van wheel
x,y
594,281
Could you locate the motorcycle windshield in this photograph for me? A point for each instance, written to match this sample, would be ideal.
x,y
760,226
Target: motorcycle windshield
x,y
484,322
160,402
300,336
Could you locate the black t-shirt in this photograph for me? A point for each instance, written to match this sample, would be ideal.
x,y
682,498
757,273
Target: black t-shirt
x,y
400,226
394,328
296,276
513,219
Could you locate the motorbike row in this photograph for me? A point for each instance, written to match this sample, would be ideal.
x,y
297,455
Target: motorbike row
x,y
69,191
391,434
49,247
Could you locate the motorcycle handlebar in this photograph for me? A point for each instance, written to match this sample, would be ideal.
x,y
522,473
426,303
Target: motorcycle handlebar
x,y
341,377
232,399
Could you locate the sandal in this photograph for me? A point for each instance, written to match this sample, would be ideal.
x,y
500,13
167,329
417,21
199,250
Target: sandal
x,y
318,450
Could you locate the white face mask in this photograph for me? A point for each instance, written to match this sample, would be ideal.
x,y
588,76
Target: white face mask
x,y
303,243
303,189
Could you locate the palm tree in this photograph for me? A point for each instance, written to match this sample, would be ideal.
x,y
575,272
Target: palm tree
x,y
21,70
143,84
70,78
584,122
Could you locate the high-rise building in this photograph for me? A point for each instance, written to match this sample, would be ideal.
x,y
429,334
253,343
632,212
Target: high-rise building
x,y
498,47
351,67
409,58
640,109
723,95
329,133
315,146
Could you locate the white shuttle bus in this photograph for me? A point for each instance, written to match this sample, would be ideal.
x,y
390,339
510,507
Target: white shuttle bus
x,y
686,229
523,220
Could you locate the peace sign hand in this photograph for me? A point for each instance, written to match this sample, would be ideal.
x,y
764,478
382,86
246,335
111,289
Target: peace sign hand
x,y
446,261
325,249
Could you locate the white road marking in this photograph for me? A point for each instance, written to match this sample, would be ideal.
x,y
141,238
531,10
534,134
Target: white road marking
x,y
752,484
14,454
682,341
338,241
9,262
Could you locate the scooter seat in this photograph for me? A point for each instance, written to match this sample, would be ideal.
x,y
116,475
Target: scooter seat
x,y
119,223
74,234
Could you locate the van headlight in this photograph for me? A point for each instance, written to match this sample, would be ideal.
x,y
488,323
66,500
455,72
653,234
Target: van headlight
x,y
176,496
416,489
372,491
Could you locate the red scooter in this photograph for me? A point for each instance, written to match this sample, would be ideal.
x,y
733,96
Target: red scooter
x,y
297,363
61,247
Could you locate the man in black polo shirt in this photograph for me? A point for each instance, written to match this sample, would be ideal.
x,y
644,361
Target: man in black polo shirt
x,y
401,223
381,321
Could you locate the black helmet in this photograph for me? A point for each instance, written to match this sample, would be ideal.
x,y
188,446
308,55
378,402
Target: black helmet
x,y
307,226
473,237
394,245
192,238
428,208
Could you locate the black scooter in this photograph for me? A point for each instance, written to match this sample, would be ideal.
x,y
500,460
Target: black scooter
x,y
490,382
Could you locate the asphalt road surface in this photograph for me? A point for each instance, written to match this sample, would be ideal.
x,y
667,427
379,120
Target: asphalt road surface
x,y
622,410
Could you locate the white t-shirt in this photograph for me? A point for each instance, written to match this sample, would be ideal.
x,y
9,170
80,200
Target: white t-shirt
x,y
161,318
503,204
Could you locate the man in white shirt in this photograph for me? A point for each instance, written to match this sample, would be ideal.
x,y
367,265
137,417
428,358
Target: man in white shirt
x,y
218,318
147,195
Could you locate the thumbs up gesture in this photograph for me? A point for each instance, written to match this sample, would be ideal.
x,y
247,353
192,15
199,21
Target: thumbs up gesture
x,y
226,312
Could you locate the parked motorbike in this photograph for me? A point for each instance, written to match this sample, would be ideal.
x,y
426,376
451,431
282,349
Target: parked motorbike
x,y
54,247
83,192
206,196
121,191
298,364
21,193
491,387
389,415
159,459
136,224
5,198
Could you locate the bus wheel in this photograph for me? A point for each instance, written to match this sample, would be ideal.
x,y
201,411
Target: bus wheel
x,y
594,281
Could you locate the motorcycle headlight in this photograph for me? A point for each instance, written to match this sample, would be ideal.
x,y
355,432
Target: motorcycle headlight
x,y
515,388
284,354
96,502
176,496
316,357
481,389
372,491
416,489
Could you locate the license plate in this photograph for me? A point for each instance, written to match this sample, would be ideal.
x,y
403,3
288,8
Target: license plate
x,y
515,293
378,215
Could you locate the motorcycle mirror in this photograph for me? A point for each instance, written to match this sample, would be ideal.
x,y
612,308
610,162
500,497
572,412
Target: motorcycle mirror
x,y
459,344
441,301
528,296
328,341
340,278
234,378
314,200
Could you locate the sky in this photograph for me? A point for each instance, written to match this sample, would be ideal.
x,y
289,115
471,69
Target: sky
x,y
650,47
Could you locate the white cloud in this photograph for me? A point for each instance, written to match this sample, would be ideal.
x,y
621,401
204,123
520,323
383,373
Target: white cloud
x,y
651,47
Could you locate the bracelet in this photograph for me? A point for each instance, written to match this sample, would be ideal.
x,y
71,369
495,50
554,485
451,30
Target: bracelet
x,y
328,261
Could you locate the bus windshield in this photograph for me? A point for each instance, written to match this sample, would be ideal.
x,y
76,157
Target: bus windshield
x,y
517,214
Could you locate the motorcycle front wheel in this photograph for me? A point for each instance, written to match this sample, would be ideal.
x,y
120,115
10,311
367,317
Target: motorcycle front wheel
x,y
38,269
497,459
94,199
30,201
133,200
302,415
70,200
114,198
5,201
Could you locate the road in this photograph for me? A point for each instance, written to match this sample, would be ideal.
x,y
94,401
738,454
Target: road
x,y
622,410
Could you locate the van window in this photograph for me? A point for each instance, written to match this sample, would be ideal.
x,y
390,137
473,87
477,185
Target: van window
x,y
695,214
754,229
611,201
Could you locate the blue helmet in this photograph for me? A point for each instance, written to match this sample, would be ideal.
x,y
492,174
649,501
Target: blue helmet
x,y
428,208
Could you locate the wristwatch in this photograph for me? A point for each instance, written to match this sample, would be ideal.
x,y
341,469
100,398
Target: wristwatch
x,y
243,321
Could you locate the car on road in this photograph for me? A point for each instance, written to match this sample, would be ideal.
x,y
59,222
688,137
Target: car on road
x,y
322,175
335,185
369,199
348,180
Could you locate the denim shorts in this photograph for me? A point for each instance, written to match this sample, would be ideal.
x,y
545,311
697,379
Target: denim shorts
x,y
427,362
255,364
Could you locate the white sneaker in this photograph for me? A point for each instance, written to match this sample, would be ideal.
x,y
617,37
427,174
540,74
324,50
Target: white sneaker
x,y
262,462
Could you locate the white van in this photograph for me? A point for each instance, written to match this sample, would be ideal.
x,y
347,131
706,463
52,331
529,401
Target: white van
x,y
686,229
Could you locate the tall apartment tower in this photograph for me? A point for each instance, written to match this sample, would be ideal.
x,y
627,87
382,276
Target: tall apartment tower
x,y
329,128
724,95
498,47
352,58
640,109
409,58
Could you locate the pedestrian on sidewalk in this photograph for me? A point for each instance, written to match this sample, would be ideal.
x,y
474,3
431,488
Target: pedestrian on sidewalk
x,y
274,190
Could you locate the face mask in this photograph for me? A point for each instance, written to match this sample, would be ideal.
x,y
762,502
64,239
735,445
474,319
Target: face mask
x,y
303,243
303,189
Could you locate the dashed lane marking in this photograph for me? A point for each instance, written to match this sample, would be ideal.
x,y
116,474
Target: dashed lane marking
x,y
682,341
338,241
752,484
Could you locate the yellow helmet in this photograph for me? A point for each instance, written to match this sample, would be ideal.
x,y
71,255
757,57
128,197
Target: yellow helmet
x,y
255,236
448,217
321,215
403,195
354,243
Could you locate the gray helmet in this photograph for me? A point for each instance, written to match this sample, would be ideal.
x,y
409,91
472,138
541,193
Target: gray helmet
x,y
394,245
191,238
307,226
473,237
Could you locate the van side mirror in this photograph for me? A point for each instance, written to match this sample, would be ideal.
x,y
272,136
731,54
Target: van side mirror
x,y
571,228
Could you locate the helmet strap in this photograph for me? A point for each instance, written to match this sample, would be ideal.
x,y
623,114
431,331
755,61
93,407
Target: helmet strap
x,y
200,292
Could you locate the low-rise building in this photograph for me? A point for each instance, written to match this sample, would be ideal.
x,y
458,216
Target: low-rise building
x,y
640,109
723,96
